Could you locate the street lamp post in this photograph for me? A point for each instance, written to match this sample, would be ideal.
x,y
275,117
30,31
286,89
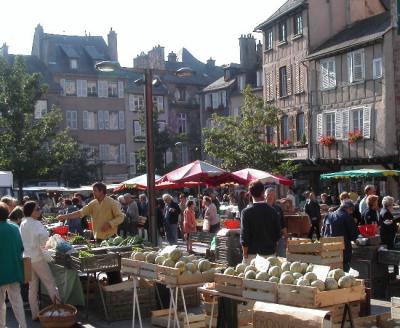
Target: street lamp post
x,y
148,81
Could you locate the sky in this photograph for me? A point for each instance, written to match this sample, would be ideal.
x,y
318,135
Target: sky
x,y
207,28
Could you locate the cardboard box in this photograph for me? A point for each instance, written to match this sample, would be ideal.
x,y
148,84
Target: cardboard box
x,y
27,269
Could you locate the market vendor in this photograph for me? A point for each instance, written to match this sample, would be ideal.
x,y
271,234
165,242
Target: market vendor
x,y
106,216
341,224
260,226
387,223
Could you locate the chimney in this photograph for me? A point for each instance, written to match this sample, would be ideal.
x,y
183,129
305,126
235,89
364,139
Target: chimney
x,y
37,41
248,54
210,62
157,58
4,50
112,45
259,52
172,57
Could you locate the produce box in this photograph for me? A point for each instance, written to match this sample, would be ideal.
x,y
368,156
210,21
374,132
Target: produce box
x,y
228,284
337,311
260,290
173,276
119,300
159,318
139,268
306,246
311,297
102,262
333,259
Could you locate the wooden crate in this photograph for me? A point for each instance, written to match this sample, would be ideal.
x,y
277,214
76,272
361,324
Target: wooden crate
x,y
311,297
228,284
333,258
305,246
260,290
173,276
395,308
159,318
139,268
337,311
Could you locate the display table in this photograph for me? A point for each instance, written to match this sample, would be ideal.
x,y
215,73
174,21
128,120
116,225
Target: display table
x,y
297,224
68,284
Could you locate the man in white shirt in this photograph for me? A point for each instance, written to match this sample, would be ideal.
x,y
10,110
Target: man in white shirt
x,y
368,190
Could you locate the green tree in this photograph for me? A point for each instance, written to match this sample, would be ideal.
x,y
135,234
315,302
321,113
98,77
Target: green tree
x,y
163,140
240,142
30,148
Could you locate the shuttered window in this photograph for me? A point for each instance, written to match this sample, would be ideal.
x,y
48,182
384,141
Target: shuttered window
x,y
138,129
283,82
122,154
300,126
330,124
40,109
356,66
282,32
71,118
121,89
102,89
269,86
121,120
268,40
284,129
377,68
81,88
327,73
215,100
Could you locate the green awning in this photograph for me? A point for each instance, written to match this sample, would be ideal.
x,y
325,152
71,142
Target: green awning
x,y
362,173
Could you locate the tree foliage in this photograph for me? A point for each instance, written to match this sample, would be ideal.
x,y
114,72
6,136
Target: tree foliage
x,y
240,141
30,148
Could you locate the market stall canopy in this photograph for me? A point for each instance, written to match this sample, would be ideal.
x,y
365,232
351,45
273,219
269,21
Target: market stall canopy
x,y
178,185
139,182
361,173
199,171
252,174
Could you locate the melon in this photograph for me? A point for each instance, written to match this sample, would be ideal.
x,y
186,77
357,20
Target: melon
x,y
139,256
295,282
295,267
169,263
151,257
345,282
274,271
240,267
274,279
303,282
159,260
190,267
241,275
184,259
319,284
336,274
180,265
286,279
186,273
285,266
331,284
310,276
285,273
175,255
204,265
304,267
297,275
250,268
262,276
274,261
310,268
229,271
250,274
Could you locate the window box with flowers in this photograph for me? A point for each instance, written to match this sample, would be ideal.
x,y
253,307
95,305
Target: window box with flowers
x,y
355,136
327,141
285,143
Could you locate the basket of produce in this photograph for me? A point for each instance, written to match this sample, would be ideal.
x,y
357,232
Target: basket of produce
x,y
368,230
86,261
58,316
61,230
78,240
232,224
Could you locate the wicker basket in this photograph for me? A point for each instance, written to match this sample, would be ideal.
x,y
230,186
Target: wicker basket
x,y
58,321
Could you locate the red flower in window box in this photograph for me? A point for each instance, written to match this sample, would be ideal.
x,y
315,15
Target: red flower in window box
x,y
285,142
355,136
327,140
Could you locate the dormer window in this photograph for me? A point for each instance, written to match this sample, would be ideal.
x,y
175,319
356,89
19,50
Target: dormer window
x,y
73,63
227,75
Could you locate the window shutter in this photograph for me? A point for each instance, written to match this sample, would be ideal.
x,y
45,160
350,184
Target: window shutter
x,y
324,77
121,120
106,117
350,67
319,126
277,83
103,88
122,155
297,77
132,163
215,100
100,119
207,100
358,68
289,79
377,68
103,152
120,89
62,84
346,123
332,73
160,103
131,101
338,125
85,119
81,88
224,98
367,122
137,129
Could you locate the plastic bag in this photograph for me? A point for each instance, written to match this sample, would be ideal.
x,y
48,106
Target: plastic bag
x,y
53,241
206,225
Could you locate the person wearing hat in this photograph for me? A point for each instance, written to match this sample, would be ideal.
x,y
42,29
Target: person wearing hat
x,y
131,216
341,224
